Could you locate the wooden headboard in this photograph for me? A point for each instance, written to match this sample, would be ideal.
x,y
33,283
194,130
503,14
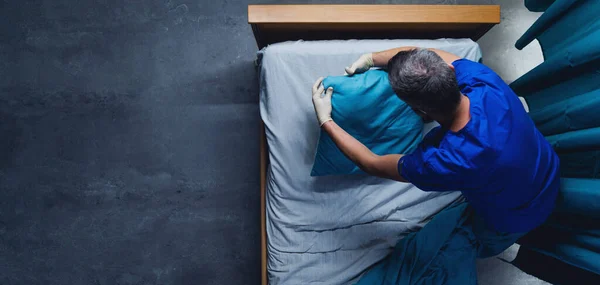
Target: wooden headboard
x,y
278,23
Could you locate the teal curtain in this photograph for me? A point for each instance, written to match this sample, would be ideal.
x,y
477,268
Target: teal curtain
x,y
563,94
572,234
538,5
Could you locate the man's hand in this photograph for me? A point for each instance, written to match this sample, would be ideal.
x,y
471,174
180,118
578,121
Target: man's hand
x,y
362,64
322,104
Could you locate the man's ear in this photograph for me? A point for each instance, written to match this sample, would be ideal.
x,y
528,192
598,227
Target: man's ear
x,y
451,66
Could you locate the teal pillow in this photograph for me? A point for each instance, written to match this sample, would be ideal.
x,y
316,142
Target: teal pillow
x,y
366,107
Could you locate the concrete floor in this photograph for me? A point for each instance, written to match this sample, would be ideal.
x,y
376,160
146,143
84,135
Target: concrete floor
x,y
129,138
499,52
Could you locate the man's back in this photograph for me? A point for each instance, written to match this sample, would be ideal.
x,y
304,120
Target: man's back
x,y
502,164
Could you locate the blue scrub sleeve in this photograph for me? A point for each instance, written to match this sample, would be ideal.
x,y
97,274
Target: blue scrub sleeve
x,y
418,172
432,171
402,165
414,168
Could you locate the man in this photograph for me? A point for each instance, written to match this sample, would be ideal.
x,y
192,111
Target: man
x,y
487,147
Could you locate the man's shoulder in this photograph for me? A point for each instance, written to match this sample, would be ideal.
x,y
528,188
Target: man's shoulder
x,y
464,66
473,75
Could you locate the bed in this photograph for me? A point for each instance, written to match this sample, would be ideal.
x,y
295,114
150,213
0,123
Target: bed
x,y
329,230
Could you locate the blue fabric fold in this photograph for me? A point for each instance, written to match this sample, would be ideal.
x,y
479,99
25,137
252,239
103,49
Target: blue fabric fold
x,y
576,113
538,5
442,252
580,196
580,140
580,164
553,13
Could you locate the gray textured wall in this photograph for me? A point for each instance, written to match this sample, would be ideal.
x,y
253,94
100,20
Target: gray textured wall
x,y
129,142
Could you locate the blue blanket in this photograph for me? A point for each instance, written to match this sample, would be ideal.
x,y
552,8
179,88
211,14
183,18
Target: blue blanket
x,y
443,252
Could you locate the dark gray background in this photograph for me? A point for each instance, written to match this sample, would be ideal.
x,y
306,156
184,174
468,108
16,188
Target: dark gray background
x,y
129,142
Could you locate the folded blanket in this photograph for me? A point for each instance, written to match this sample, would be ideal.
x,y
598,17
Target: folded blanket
x,y
442,252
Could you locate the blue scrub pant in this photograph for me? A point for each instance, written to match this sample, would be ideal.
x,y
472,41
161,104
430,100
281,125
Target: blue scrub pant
x,y
491,242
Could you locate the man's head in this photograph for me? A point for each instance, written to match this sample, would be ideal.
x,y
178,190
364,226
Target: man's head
x,y
423,80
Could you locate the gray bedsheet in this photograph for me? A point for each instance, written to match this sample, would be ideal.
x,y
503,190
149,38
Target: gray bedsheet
x,y
329,230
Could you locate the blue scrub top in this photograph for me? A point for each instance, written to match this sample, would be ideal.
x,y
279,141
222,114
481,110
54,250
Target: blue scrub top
x,y
500,162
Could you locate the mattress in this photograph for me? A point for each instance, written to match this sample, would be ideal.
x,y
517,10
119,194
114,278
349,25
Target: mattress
x,y
330,230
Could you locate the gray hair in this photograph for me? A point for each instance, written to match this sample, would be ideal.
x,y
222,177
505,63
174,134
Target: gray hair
x,y
422,79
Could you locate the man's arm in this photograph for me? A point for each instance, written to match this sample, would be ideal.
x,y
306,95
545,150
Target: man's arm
x,y
381,59
385,166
